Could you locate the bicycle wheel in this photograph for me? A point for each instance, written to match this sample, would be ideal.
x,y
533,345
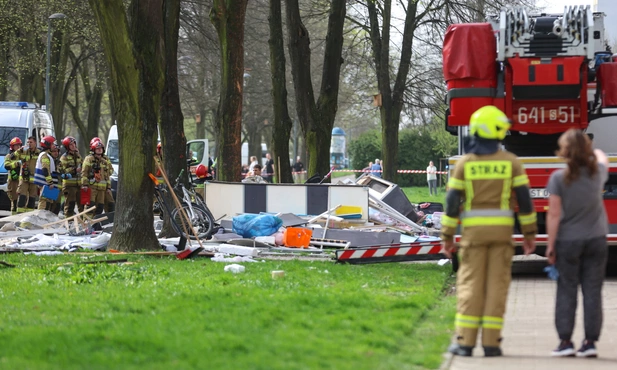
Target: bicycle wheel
x,y
200,219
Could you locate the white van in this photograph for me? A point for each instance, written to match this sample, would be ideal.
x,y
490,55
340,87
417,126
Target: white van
x,y
112,150
199,150
20,119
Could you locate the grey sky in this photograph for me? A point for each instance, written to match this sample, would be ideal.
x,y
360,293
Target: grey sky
x,y
556,6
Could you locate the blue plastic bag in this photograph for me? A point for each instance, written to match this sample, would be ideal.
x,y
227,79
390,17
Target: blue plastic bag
x,y
551,272
249,225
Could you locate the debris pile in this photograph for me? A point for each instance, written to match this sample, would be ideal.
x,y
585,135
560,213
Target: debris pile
x,y
389,229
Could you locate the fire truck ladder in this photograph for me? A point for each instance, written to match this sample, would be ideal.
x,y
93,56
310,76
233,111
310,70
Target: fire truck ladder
x,y
569,34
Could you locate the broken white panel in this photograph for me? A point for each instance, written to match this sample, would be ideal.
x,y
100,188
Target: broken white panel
x,y
225,199
289,198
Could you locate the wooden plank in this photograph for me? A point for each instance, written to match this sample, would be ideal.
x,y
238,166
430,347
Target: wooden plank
x,y
104,261
186,222
70,218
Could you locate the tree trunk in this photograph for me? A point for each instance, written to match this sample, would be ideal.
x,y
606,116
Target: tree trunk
x,y
200,130
26,49
227,16
26,86
5,40
316,118
94,111
134,55
172,121
392,98
282,122
253,139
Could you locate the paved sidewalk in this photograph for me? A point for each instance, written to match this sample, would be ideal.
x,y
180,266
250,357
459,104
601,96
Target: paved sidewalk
x,y
529,331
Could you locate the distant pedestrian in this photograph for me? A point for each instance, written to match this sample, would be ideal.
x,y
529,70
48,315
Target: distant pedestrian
x,y
254,176
577,226
376,168
298,166
253,163
268,168
431,178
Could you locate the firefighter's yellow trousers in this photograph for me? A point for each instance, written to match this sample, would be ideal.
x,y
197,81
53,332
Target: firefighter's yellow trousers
x,y
482,284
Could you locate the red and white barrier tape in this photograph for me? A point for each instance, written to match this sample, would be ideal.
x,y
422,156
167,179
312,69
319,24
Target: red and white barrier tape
x,y
379,171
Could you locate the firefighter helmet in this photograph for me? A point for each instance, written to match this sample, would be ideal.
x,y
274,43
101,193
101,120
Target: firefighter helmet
x,y
67,141
96,143
48,142
15,141
201,171
490,123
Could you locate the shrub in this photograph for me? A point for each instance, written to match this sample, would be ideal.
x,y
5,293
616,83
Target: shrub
x,y
365,149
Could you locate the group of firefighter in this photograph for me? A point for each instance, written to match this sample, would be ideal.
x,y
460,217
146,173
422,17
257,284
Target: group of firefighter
x,y
31,169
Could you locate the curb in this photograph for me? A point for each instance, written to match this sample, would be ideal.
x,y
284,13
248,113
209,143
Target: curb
x,y
447,362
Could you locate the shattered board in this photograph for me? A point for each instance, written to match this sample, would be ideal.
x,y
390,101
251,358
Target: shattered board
x,y
289,219
248,243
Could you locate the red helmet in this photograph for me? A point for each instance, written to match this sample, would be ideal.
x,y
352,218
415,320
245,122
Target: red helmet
x,y
96,143
67,141
48,142
158,148
201,171
15,141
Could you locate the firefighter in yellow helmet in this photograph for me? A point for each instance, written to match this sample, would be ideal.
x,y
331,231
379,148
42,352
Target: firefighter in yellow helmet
x,y
480,195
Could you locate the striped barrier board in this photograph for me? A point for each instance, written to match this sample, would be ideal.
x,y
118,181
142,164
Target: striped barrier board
x,y
419,251
391,253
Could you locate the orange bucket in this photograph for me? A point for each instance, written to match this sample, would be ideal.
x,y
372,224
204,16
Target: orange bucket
x,y
297,237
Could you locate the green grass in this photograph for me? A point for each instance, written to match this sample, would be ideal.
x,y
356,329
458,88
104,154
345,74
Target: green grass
x,y
420,194
341,174
170,314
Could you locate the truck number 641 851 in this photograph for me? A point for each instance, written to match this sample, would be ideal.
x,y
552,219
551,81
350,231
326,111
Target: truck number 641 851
x,y
542,114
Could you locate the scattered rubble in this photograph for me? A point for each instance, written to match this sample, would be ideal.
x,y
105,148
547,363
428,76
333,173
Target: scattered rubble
x,y
345,233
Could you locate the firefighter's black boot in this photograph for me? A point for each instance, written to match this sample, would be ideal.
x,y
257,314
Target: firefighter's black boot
x,y
492,352
31,202
70,210
459,350
21,203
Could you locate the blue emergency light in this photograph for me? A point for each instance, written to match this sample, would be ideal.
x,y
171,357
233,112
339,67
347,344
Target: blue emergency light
x,y
14,104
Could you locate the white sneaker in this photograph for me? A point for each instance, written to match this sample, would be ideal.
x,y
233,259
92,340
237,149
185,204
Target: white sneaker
x,y
588,349
565,349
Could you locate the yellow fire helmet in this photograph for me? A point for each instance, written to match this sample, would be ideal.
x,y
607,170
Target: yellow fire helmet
x,y
489,122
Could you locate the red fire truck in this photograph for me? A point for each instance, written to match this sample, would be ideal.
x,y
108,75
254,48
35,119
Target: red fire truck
x,y
548,73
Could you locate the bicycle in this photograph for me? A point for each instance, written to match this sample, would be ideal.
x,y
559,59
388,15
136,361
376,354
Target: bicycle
x,y
199,215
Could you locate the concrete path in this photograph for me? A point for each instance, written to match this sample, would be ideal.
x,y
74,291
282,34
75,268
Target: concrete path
x,y
529,332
